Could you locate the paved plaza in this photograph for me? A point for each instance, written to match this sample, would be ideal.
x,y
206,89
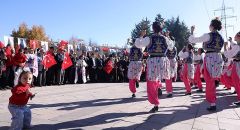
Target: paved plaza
x,y
110,106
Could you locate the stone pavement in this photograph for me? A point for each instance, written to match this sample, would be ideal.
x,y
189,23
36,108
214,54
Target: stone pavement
x,y
110,106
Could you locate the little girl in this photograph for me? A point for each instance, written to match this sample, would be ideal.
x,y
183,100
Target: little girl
x,y
21,114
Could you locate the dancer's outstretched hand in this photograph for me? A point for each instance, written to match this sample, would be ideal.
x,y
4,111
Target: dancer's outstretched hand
x,y
192,29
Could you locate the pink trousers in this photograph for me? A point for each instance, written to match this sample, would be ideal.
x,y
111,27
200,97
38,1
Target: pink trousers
x,y
197,76
169,85
132,85
236,81
226,80
152,92
210,86
185,78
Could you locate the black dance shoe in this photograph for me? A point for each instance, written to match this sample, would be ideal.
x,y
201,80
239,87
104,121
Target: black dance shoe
x,y
169,95
133,95
237,103
137,84
199,91
212,108
159,92
154,109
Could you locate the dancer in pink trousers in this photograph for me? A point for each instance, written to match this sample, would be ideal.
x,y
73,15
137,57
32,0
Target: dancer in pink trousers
x,y
187,73
198,62
172,56
135,66
234,53
213,62
157,64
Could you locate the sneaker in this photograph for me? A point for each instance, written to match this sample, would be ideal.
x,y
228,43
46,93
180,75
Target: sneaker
x,y
137,84
154,109
188,93
199,91
212,108
169,95
133,95
159,92
237,103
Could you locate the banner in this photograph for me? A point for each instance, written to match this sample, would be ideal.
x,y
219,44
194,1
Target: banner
x,y
32,63
44,45
22,43
33,44
9,40
70,47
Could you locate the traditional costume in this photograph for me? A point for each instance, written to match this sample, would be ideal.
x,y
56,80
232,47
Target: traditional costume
x,y
172,56
135,67
187,72
158,65
213,63
234,53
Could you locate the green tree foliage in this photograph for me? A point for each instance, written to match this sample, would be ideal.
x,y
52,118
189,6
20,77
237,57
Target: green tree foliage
x,y
159,18
177,28
144,24
179,31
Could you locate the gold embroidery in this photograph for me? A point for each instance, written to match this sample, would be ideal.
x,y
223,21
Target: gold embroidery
x,y
217,42
135,54
158,48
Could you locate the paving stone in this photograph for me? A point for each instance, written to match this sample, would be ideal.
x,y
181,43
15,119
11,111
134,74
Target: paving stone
x,y
205,126
95,107
178,126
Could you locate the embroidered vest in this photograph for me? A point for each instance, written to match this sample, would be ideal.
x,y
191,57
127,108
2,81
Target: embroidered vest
x,y
171,54
215,43
158,45
237,56
135,54
189,59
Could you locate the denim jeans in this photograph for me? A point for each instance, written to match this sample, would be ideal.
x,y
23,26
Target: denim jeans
x,y
21,117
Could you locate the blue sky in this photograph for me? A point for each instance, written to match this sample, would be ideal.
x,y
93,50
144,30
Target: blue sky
x,y
106,21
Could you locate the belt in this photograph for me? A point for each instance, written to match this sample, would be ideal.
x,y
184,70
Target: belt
x,y
211,52
236,60
152,56
135,60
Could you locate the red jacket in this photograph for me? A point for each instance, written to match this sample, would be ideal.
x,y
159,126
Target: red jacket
x,y
19,95
19,58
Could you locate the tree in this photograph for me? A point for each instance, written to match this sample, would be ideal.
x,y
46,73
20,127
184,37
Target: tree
x,y
177,28
22,31
37,33
179,31
34,33
159,18
144,24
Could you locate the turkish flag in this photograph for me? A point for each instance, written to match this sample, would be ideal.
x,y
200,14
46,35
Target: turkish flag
x,y
1,45
33,44
108,67
8,51
67,62
62,44
48,61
